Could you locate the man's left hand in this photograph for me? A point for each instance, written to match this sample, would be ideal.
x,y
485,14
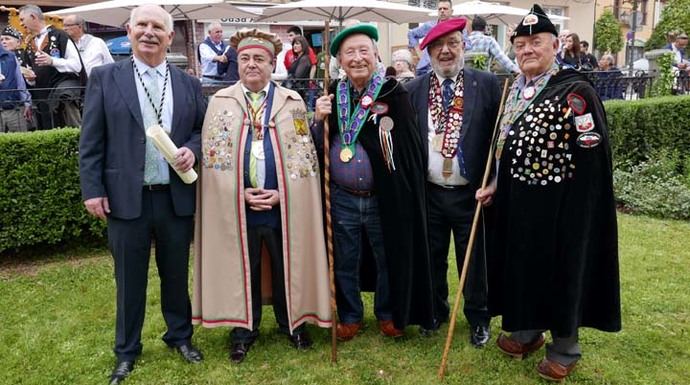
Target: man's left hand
x,y
259,199
43,59
184,159
27,113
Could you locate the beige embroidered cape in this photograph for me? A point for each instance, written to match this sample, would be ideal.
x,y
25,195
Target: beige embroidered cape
x,y
222,289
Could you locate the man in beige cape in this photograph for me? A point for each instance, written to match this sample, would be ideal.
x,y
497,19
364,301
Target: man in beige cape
x,y
260,189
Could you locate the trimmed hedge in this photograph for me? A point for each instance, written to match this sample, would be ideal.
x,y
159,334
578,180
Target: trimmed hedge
x,y
643,127
40,197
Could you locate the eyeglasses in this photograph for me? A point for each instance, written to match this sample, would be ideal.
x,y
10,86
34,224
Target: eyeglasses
x,y
70,25
452,44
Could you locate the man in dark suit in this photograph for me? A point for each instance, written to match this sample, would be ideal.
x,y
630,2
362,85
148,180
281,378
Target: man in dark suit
x,y
125,180
455,109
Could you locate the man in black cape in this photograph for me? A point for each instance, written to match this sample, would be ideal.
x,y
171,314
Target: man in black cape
x,y
554,259
377,189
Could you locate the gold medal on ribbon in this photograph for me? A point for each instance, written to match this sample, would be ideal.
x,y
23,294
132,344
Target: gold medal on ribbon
x,y
447,167
346,155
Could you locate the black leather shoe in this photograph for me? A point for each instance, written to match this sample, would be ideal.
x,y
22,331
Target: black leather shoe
x,y
479,335
190,353
301,340
434,328
238,351
121,371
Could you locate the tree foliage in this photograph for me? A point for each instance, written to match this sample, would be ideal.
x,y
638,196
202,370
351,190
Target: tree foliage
x,y
674,17
607,33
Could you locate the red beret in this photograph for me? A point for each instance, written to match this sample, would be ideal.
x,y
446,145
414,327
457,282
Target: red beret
x,y
443,28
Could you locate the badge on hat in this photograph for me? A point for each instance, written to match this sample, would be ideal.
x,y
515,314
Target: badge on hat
x,y
530,20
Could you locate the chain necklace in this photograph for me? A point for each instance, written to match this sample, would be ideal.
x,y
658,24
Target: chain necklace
x,y
159,110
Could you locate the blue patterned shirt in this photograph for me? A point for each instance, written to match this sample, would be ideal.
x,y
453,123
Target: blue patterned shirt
x,y
483,43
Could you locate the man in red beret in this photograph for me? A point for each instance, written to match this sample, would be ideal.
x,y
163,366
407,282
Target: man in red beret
x,y
455,108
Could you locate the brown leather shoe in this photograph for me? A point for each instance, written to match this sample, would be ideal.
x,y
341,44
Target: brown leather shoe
x,y
516,349
346,332
553,371
388,329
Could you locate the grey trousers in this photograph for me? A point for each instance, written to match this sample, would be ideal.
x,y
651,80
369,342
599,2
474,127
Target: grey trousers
x,y
13,120
564,349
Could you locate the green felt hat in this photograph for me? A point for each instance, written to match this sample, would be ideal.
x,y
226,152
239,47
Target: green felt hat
x,y
366,29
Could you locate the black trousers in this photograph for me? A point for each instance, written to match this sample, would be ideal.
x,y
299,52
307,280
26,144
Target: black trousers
x,y
273,239
130,244
452,210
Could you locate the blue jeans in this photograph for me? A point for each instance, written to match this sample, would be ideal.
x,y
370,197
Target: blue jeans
x,y
352,215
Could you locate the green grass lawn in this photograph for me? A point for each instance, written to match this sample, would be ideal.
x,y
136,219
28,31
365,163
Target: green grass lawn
x,y
57,326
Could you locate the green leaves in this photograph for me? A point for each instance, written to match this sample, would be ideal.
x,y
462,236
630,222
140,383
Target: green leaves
x,y
40,198
674,17
607,33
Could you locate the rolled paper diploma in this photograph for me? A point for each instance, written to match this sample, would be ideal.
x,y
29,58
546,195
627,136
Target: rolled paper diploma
x,y
166,146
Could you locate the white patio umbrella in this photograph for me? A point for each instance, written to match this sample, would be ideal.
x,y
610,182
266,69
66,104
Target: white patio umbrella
x,y
504,13
116,12
340,10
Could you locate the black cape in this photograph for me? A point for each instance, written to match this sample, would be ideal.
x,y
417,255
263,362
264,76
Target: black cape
x,y
553,259
402,206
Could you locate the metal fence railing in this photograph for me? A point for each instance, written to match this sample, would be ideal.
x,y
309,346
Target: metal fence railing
x,y
609,85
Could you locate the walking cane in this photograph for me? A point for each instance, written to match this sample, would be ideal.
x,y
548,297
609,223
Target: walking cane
x,y
470,241
327,193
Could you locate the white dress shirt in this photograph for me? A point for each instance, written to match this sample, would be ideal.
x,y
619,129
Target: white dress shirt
x,y
435,164
94,52
208,66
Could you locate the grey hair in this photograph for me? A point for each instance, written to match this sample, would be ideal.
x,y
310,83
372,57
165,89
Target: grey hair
x,y
608,57
78,20
213,25
32,9
167,21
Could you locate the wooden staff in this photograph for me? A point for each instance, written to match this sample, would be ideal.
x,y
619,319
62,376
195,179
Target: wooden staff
x,y
327,193
470,241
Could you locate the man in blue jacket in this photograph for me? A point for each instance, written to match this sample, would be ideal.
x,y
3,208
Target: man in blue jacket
x,y
14,113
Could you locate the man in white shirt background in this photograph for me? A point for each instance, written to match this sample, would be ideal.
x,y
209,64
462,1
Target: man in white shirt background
x,y
212,59
93,50
60,76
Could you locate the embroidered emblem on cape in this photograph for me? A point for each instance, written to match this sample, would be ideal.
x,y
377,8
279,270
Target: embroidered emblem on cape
x,y
577,103
589,140
301,160
530,19
218,141
299,120
584,123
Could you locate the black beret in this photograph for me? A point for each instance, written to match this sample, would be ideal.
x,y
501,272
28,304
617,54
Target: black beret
x,y
535,22
9,31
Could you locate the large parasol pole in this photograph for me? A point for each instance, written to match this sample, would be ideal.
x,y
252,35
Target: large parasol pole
x,y
327,193
470,241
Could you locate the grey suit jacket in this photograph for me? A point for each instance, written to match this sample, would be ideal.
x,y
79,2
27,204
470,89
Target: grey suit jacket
x,y
481,102
112,146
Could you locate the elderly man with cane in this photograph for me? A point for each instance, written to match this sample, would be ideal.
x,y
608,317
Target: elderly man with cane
x,y
554,259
